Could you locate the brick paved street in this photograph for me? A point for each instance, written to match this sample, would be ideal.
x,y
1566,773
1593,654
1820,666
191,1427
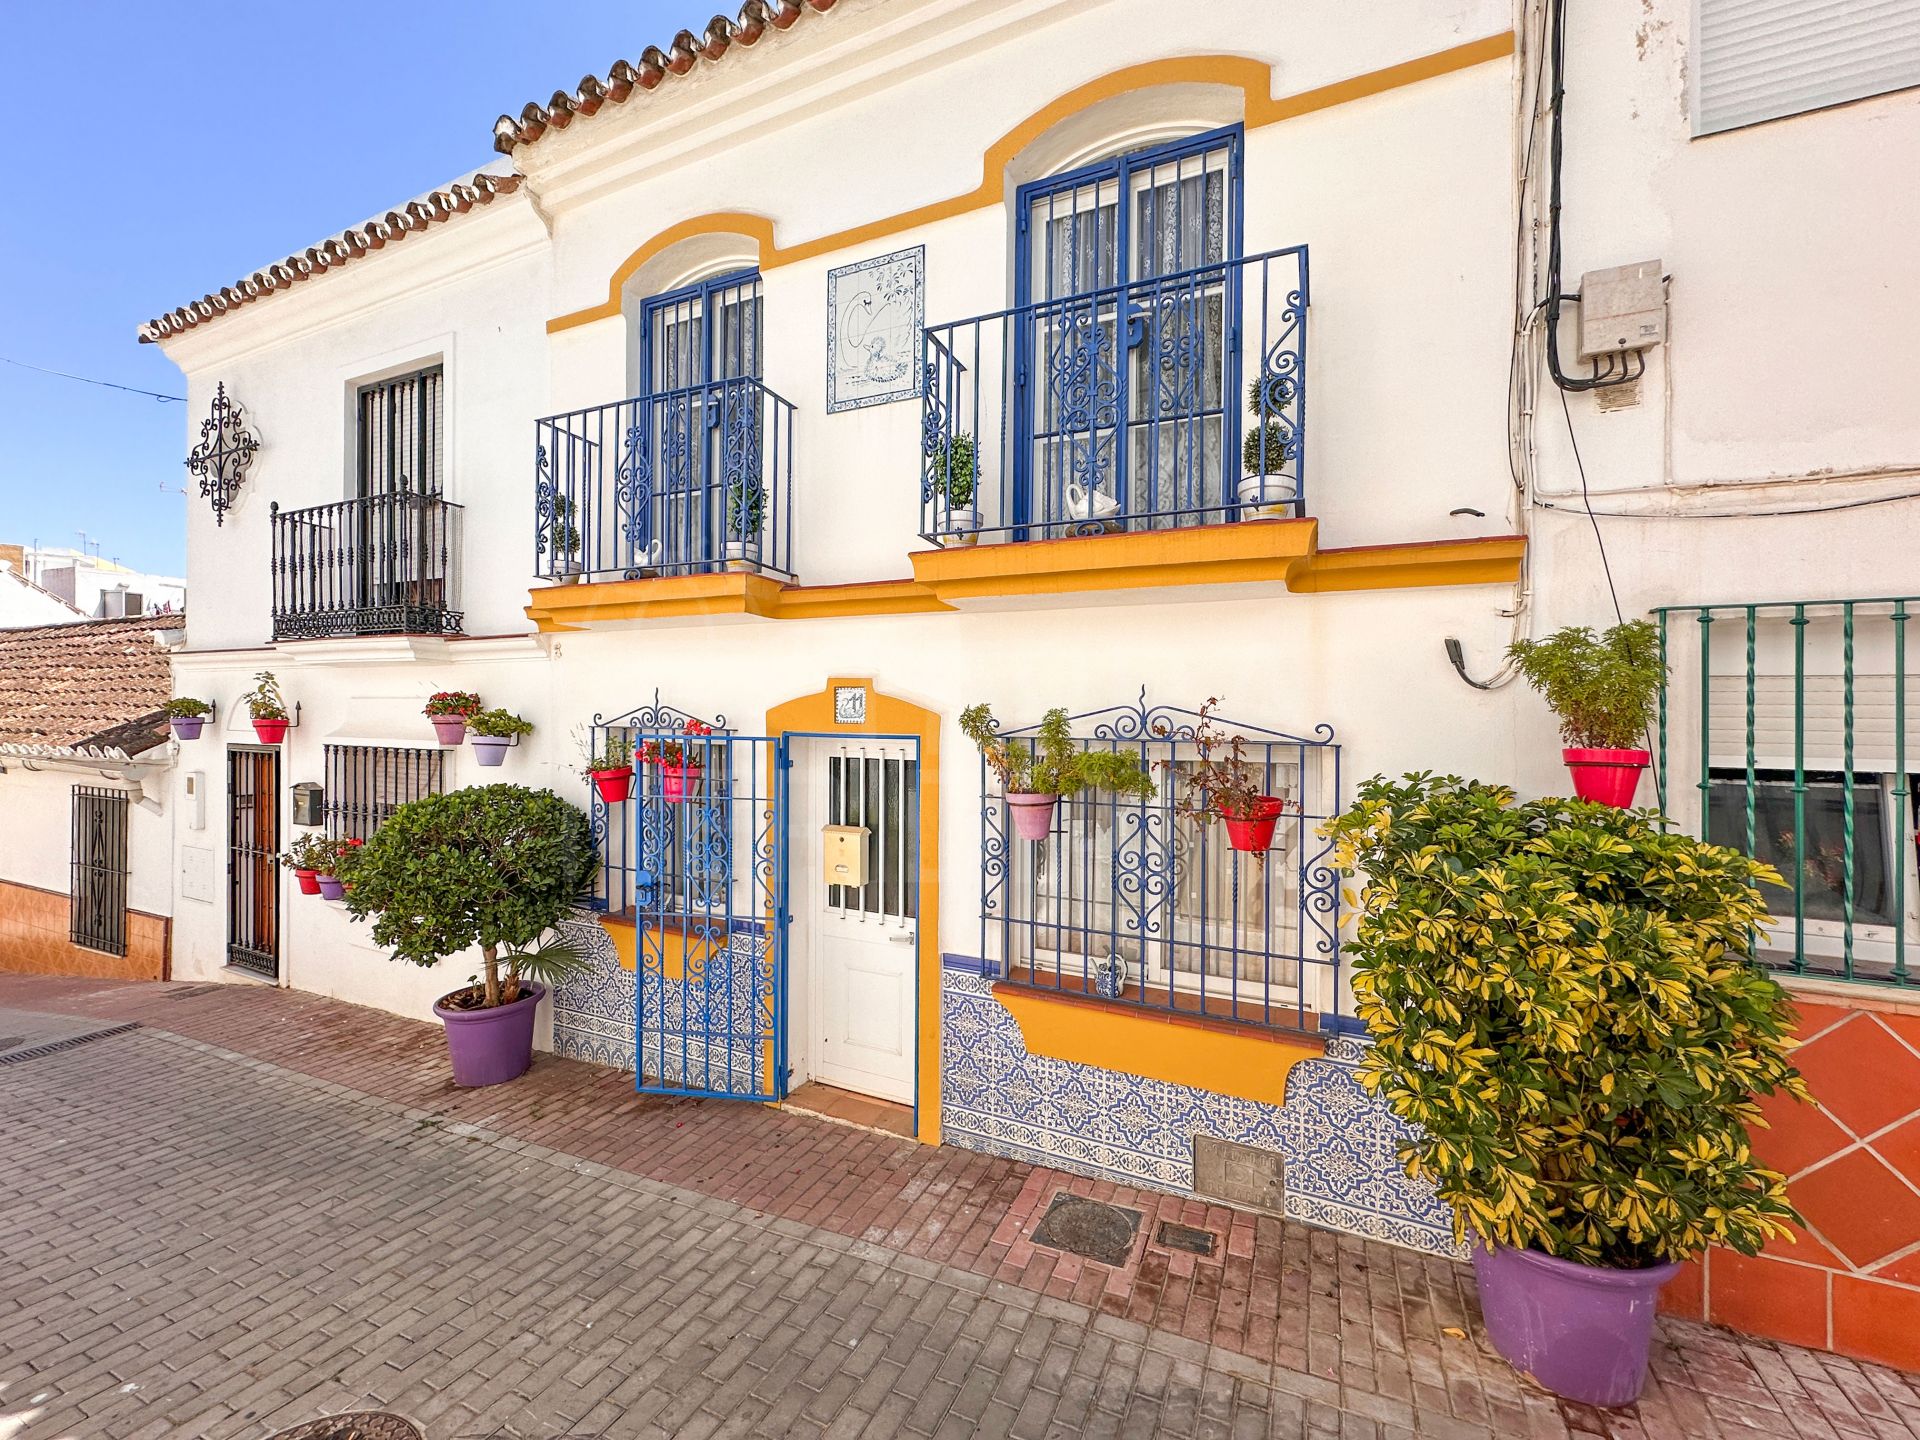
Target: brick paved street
x,y
262,1206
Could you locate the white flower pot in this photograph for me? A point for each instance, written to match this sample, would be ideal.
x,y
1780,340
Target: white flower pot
x,y
1260,493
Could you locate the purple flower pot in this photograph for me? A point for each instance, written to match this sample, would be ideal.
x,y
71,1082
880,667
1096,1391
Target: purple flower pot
x,y
491,749
187,727
330,888
1582,1331
1032,814
449,729
491,1047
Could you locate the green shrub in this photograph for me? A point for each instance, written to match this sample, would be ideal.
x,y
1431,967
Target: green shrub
x,y
955,469
493,866
1052,763
1601,686
185,707
498,724
264,701
1561,1000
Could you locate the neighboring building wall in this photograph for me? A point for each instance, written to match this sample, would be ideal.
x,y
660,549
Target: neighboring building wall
x,y
22,603
1850,1279
36,876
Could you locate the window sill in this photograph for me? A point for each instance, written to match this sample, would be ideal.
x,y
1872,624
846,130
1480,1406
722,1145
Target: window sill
x,y
1202,1052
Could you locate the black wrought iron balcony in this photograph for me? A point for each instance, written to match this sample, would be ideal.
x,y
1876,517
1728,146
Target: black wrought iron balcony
x,y
1175,400
685,482
379,565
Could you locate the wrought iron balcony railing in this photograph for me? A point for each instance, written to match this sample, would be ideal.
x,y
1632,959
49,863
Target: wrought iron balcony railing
x,y
378,565
1166,402
684,482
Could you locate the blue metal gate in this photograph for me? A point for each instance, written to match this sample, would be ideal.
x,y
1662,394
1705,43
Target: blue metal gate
x,y
710,914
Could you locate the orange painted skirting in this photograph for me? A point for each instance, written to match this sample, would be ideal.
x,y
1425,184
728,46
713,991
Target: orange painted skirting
x,y
1253,78
1278,553
1227,1059
35,931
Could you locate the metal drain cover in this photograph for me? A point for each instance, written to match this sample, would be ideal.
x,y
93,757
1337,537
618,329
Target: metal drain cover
x,y
359,1425
1190,1238
1088,1228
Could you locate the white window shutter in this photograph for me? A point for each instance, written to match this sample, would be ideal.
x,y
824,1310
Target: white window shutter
x,y
1757,60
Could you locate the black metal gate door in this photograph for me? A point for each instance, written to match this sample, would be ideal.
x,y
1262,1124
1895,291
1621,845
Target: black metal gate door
x,y
253,858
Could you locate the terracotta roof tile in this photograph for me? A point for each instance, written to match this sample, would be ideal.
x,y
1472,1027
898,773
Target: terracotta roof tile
x,y
91,682
685,51
396,225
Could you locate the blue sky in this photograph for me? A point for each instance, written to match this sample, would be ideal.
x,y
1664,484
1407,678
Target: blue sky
x,y
168,149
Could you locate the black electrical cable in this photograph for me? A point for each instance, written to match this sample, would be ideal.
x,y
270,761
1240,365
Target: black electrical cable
x,y
89,380
1557,46
1587,500
1741,514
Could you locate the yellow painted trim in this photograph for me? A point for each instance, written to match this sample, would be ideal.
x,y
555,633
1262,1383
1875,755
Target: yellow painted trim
x,y
893,715
1272,552
1233,1060
1253,78
1200,555
1494,560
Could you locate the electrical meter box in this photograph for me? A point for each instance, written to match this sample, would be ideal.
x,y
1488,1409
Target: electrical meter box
x,y
843,854
309,803
1624,308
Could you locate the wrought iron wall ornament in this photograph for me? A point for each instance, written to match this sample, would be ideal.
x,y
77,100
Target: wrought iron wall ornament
x,y
225,451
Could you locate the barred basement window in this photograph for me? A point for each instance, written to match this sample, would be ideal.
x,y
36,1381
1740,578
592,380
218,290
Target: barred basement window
x,y
367,783
98,884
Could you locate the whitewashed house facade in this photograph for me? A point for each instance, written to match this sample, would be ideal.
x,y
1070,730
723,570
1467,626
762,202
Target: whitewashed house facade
x,y
757,290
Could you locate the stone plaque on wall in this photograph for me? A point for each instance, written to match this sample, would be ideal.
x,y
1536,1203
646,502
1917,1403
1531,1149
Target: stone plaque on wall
x,y
875,311
1242,1175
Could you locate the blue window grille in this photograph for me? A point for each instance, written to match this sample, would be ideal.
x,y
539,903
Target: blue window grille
x,y
1131,903
1141,353
692,476
613,825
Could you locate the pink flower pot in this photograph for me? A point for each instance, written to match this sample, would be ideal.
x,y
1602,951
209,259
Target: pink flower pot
x,y
613,785
1032,814
1607,776
1254,832
309,881
1582,1331
491,1047
451,729
270,732
678,781
187,727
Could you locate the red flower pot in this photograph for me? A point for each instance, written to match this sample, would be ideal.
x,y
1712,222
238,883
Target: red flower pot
x,y
678,781
309,881
271,732
1607,776
450,729
613,785
1032,813
1254,832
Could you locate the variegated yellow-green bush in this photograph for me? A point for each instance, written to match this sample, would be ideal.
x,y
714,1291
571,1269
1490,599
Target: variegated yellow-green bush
x,y
1562,1004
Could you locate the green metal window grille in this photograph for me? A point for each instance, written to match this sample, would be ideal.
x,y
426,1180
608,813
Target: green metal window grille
x,y
1782,732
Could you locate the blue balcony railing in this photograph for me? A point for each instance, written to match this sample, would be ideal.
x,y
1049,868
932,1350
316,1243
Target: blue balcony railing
x,y
684,482
1166,402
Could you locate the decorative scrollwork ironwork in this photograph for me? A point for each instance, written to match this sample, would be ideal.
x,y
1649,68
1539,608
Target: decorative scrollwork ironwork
x,y
225,451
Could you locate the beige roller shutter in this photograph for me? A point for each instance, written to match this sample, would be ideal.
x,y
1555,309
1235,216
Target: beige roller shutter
x,y
1757,60
1773,722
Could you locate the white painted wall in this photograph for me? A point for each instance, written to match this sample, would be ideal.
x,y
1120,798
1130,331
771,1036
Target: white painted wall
x,y
23,604
1795,330
36,812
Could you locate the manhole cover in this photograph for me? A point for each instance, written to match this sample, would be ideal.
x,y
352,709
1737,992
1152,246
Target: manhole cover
x,y
359,1425
1191,1238
1088,1227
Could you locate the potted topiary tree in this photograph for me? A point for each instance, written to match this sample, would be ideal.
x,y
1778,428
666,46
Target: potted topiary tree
x,y
1602,687
493,731
449,710
267,708
954,468
1265,455
187,716
567,567
1562,1004
1219,781
1035,774
494,866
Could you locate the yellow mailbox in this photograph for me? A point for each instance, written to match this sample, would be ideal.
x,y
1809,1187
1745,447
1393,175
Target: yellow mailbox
x,y
843,854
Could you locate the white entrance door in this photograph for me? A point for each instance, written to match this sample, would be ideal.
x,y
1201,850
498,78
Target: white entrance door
x,y
863,950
